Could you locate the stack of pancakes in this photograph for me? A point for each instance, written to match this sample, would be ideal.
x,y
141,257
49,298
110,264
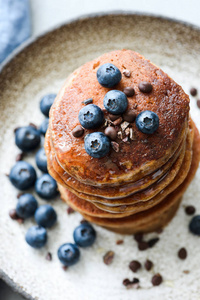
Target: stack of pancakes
x,y
138,186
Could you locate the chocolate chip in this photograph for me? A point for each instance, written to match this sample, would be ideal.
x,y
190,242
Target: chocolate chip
x,y
182,253
143,246
115,146
129,116
114,117
19,156
119,242
190,210
152,242
186,271
87,101
118,121
49,256
198,103
134,265
108,257
193,91
145,87
70,210
148,265
33,125
127,73
129,91
156,279
126,282
131,284
111,132
13,214
78,131
138,237
135,280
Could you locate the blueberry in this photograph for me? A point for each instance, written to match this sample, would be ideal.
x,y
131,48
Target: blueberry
x,y
97,144
194,225
26,206
147,122
45,216
108,75
84,235
36,236
68,254
44,126
41,160
46,102
115,102
91,116
22,175
46,187
27,138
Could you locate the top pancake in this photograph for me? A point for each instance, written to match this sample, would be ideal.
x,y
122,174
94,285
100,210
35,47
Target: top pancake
x,y
142,155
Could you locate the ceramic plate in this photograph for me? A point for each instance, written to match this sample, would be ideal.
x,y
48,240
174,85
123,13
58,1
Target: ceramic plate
x,y
41,68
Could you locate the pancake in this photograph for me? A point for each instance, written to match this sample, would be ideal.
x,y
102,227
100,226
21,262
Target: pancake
x,y
143,155
124,209
86,207
143,195
106,192
158,216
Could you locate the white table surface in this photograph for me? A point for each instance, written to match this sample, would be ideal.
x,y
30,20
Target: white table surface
x,y
47,14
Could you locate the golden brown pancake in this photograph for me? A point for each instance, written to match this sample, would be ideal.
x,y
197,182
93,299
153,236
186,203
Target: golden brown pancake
x,y
143,195
143,155
106,192
156,217
124,210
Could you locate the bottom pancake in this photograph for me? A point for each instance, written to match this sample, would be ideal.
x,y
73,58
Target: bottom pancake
x,y
151,219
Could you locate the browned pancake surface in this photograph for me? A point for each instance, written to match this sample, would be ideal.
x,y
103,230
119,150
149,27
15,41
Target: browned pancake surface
x,y
147,152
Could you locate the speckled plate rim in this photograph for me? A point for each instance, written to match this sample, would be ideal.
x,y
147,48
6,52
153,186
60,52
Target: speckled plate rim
x,y
13,285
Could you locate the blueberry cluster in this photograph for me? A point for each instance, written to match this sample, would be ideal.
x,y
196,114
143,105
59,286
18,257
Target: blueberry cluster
x,y
45,217
97,144
23,176
84,236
